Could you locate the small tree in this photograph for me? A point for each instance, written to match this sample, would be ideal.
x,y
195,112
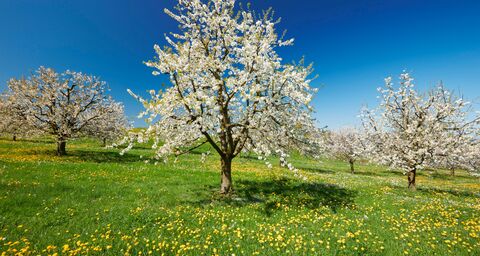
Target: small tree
x,y
412,131
113,126
458,151
63,105
13,121
347,144
472,161
229,87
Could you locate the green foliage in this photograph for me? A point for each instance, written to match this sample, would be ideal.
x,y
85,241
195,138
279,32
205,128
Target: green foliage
x,y
98,202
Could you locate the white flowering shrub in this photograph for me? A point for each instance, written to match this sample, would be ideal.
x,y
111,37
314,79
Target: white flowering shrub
x,y
230,88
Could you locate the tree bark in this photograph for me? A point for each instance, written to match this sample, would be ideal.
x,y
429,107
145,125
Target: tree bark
x,y
411,179
226,182
104,142
14,138
352,167
452,171
61,147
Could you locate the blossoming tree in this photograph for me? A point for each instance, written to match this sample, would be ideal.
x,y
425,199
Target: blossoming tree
x,y
459,148
229,87
473,160
412,131
13,121
348,144
111,127
63,105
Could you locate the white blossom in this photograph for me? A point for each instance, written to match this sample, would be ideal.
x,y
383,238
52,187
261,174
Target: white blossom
x,y
13,118
348,144
229,87
65,105
412,131
111,127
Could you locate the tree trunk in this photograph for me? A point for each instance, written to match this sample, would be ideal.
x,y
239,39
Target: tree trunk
x,y
104,142
14,138
61,145
226,186
411,179
452,171
352,167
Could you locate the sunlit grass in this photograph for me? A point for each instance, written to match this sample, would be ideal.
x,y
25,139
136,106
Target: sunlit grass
x,y
98,202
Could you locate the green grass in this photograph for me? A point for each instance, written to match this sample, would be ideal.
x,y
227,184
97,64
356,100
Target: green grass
x,y
94,201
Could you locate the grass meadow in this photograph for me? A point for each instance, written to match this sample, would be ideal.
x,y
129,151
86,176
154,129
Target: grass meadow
x,y
94,201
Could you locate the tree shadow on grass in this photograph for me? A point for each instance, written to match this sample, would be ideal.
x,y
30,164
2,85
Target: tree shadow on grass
x,y
459,193
438,175
103,156
369,173
316,170
30,140
435,191
249,156
271,195
94,156
328,171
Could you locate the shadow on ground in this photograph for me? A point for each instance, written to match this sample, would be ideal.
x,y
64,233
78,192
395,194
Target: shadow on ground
x,y
293,193
454,192
369,173
20,140
421,188
442,176
103,156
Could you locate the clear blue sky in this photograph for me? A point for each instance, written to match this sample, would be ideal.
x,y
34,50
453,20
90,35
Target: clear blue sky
x,y
353,44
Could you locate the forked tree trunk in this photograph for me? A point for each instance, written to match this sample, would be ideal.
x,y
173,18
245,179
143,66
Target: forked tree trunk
x,y
61,147
411,179
226,183
352,167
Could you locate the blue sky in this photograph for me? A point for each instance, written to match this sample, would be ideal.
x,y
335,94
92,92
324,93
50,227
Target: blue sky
x,y
353,44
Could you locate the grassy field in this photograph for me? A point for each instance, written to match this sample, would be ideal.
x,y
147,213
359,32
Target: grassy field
x,y
95,201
